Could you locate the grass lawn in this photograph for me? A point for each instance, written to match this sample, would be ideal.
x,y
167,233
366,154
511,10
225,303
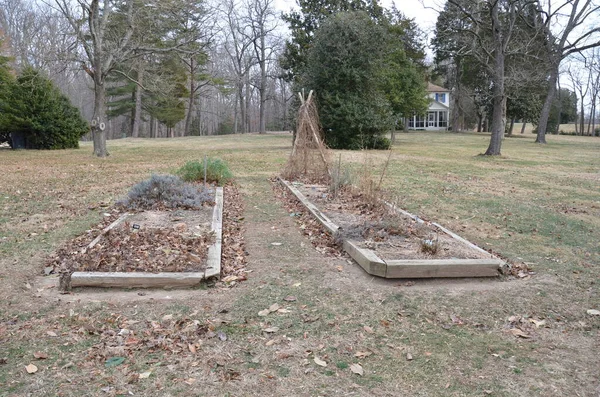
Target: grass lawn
x,y
535,204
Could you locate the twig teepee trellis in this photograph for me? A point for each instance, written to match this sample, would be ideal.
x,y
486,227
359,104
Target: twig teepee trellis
x,y
310,157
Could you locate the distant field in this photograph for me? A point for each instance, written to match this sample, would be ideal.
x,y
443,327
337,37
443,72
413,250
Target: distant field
x,y
534,204
529,128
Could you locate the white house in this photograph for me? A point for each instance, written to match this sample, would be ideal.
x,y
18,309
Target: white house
x,y
438,113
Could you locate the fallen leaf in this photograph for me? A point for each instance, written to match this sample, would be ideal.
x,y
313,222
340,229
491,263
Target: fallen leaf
x,y
320,362
339,268
222,336
538,323
274,307
51,333
283,311
31,369
290,298
456,320
40,355
363,354
368,329
428,354
167,317
409,356
189,381
114,361
297,285
264,313
229,279
520,333
271,330
145,375
593,312
357,369
192,348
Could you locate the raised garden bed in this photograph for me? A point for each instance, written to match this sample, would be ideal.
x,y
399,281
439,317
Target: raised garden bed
x,y
153,248
392,243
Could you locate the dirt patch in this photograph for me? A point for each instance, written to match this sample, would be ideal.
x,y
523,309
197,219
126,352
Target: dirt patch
x,y
379,228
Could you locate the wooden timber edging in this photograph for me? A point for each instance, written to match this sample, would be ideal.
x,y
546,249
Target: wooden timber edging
x,y
213,261
161,280
412,268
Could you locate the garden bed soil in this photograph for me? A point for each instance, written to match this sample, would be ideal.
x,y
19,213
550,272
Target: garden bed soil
x,y
377,227
147,241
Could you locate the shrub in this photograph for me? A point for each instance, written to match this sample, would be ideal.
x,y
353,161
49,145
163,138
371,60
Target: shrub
x,y
165,191
217,171
42,114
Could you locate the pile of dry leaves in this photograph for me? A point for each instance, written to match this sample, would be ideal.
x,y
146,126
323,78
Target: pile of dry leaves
x,y
125,249
233,254
311,228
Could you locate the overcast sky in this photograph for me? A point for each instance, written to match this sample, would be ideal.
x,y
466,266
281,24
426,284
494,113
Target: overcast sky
x,y
411,8
424,17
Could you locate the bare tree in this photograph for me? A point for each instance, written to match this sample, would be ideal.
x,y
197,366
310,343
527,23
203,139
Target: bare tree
x,y
262,21
564,25
102,51
491,34
238,44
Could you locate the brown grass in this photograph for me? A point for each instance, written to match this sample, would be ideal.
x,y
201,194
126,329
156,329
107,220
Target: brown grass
x,y
538,204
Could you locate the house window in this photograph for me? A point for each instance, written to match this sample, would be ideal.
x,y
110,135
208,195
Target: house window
x,y
443,119
442,98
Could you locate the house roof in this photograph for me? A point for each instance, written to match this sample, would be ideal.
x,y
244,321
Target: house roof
x,y
435,88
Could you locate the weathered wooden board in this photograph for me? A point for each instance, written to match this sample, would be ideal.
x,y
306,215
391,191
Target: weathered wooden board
x,y
135,279
213,261
104,231
366,258
443,268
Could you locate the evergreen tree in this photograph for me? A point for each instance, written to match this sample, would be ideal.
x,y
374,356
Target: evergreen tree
x,y
42,114
362,79
6,83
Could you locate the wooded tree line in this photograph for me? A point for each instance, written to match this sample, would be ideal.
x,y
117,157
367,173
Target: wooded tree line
x,y
163,68
502,59
155,68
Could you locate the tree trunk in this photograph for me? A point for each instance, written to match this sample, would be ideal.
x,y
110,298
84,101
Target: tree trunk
x,y
242,107
188,119
137,113
263,88
247,99
545,115
99,118
512,126
479,122
523,127
499,101
456,99
582,120
235,116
